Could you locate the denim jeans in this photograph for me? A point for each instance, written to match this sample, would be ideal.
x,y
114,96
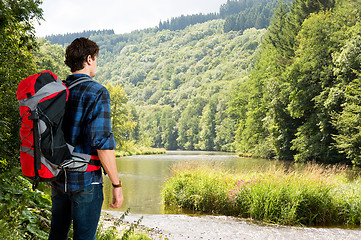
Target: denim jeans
x,y
83,207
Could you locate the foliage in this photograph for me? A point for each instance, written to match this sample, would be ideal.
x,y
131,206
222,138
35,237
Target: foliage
x,y
295,97
174,77
243,14
51,57
239,15
313,195
63,39
17,40
346,121
131,148
122,122
25,214
180,23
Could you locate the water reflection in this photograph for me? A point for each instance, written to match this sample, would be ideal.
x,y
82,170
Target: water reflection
x,y
143,176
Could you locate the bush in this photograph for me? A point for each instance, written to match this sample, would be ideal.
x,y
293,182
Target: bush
x,y
25,214
311,196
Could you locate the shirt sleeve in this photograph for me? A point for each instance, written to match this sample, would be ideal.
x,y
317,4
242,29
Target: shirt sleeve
x,y
100,123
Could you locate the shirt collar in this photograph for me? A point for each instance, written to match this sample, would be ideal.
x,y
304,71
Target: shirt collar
x,y
74,77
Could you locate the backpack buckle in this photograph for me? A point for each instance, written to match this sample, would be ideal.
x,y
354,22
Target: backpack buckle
x,y
34,115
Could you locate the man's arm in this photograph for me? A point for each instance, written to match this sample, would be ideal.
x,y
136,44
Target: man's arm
x,y
107,158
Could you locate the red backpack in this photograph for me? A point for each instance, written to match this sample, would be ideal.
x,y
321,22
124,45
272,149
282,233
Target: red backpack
x,y
43,151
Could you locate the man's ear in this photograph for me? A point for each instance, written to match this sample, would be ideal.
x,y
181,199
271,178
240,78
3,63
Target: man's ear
x,y
89,59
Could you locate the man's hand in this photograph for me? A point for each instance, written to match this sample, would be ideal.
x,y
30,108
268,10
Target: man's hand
x,y
107,158
117,198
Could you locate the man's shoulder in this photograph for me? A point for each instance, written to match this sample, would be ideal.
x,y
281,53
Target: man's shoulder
x,y
94,85
96,88
91,87
84,81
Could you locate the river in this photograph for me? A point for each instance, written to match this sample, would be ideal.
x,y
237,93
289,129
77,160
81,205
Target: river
x,y
143,177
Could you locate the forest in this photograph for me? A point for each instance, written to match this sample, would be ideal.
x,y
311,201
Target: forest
x,y
287,92
178,82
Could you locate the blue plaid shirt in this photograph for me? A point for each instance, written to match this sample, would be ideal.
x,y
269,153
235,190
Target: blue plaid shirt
x,y
87,127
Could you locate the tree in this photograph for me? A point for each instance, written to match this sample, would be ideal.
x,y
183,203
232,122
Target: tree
x,y
207,126
311,79
347,121
282,114
150,128
51,57
25,218
122,123
17,62
168,128
188,124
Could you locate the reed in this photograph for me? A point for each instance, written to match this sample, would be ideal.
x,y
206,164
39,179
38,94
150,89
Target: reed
x,y
310,195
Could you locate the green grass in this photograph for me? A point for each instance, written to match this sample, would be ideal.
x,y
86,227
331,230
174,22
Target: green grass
x,y
129,149
312,196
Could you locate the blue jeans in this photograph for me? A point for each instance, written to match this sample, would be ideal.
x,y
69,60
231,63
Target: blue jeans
x,y
83,207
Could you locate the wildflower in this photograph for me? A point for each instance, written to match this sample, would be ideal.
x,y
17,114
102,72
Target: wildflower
x,y
240,185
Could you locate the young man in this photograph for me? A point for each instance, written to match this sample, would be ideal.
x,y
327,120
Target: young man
x,y
78,196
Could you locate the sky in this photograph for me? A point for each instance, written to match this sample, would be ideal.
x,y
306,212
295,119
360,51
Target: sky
x,y
124,16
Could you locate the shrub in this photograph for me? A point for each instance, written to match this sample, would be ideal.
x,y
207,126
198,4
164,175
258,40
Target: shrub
x,y
315,195
25,214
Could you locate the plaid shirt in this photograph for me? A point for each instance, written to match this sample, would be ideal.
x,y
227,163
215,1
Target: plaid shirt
x,y
87,127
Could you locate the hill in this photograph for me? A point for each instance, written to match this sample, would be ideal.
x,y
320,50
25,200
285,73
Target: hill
x,y
180,82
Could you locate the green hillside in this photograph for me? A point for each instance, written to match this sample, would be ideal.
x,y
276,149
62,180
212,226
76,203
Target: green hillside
x,y
180,82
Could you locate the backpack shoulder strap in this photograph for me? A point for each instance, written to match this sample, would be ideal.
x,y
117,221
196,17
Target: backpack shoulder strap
x,y
79,81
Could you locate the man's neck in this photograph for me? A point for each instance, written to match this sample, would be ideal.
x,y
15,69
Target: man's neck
x,y
82,71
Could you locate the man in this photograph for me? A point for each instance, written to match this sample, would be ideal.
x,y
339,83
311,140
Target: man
x,y
78,196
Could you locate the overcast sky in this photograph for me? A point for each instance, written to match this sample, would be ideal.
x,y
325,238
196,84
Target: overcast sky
x,y
68,16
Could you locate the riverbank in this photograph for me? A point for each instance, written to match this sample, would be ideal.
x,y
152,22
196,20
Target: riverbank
x,y
312,196
138,150
113,226
185,227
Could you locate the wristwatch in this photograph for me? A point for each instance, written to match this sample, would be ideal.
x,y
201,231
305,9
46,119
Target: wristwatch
x,y
117,185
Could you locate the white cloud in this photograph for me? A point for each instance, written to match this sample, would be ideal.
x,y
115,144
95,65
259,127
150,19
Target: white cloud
x,y
68,16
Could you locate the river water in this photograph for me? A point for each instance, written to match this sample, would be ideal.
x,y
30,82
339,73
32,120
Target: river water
x,y
143,177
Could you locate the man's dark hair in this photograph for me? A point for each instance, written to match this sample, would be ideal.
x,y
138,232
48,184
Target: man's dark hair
x,y
78,51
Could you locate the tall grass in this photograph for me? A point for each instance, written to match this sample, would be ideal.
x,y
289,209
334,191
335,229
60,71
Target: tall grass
x,y
313,195
130,148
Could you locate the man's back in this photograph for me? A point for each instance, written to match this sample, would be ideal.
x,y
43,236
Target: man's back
x,y
87,124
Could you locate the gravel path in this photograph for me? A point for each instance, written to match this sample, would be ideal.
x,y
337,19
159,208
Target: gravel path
x,y
183,227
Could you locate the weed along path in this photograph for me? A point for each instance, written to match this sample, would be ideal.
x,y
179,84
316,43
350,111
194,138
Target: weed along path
x,y
144,176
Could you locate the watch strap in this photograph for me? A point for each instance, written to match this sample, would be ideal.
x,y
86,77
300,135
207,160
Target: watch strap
x,y
117,185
